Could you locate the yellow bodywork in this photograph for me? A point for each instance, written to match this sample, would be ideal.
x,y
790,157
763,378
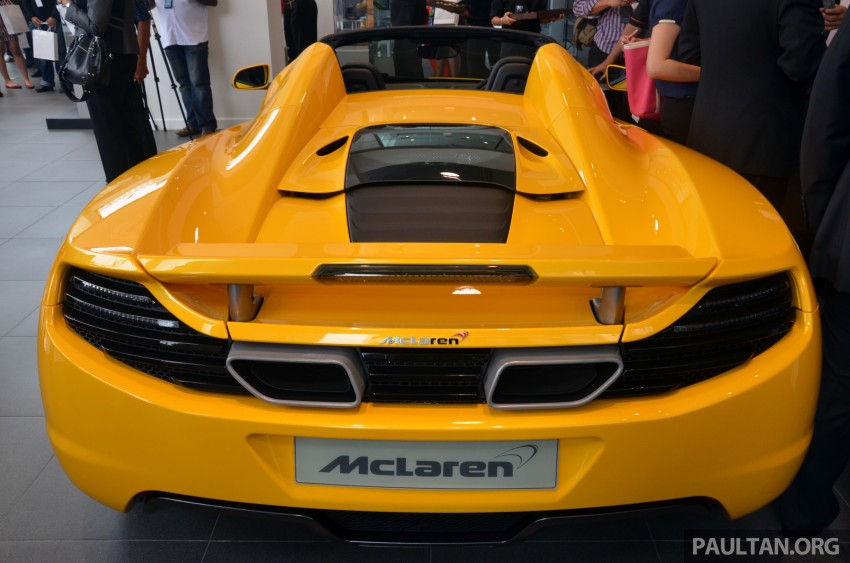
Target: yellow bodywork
x,y
665,222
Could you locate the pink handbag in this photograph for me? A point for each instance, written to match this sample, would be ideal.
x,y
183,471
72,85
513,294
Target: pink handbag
x,y
644,100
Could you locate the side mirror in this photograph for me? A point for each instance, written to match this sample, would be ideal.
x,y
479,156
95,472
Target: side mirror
x,y
615,77
252,78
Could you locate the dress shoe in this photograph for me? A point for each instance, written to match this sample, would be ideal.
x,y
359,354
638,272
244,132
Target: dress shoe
x,y
187,131
44,88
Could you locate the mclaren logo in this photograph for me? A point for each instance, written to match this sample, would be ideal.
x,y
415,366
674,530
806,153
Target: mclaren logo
x,y
502,465
453,340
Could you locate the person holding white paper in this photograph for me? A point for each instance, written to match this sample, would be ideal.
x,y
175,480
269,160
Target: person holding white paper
x,y
9,42
45,12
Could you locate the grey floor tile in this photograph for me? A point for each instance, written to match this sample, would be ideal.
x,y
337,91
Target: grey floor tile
x,y
24,118
842,485
241,527
673,551
842,522
27,327
87,151
24,152
102,551
40,193
673,527
57,223
75,138
554,552
13,220
259,552
54,509
26,452
18,300
12,136
19,378
69,171
598,529
26,259
12,171
54,225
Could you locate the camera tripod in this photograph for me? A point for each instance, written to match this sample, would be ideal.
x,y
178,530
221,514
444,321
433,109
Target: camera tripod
x,y
158,38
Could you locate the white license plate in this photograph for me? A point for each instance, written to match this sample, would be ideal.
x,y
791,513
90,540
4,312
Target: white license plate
x,y
427,465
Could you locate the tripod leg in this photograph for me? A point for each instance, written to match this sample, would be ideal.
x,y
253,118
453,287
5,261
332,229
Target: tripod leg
x,y
147,107
158,38
158,94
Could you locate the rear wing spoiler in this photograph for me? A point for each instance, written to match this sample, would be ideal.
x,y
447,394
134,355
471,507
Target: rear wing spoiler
x,y
611,268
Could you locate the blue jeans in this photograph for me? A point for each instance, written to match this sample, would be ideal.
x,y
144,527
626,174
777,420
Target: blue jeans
x,y
189,64
46,67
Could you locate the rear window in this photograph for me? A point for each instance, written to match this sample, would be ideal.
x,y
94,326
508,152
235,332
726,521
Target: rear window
x,y
431,153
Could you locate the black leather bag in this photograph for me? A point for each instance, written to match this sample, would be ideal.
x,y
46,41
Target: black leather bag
x,y
86,64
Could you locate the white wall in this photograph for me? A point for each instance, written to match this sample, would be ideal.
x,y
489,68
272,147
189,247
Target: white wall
x,y
242,33
326,17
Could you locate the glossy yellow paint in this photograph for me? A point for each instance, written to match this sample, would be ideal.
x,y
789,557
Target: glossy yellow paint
x,y
644,213
737,438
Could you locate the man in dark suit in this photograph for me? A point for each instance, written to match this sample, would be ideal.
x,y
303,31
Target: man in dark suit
x,y
405,57
758,59
810,505
408,12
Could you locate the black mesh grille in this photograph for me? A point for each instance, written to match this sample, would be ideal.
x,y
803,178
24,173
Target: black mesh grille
x,y
730,325
430,212
124,320
425,376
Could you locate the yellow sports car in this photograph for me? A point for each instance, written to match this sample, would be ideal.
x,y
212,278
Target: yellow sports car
x,y
433,286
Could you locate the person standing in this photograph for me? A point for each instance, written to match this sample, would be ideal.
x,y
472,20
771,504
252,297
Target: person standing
x,y
757,60
479,51
502,12
300,20
674,80
38,13
408,12
611,16
810,505
405,56
142,19
9,43
118,117
185,36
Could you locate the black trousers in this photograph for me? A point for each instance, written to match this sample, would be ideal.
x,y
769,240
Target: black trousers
x,y
809,504
676,118
299,27
121,127
773,188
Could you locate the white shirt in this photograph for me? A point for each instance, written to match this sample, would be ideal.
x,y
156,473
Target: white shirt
x,y
183,24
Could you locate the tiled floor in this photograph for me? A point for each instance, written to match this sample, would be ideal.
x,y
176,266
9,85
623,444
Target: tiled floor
x,y
46,177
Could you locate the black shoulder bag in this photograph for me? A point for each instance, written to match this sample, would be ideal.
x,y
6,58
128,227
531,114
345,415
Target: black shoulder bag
x,y
86,65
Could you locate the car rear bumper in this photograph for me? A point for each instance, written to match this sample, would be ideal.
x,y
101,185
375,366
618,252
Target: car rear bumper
x,y
737,438
430,528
